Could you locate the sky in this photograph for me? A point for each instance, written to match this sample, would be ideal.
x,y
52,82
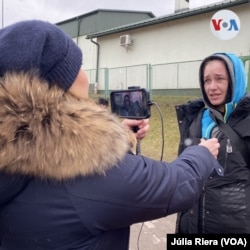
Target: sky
x,y
59,10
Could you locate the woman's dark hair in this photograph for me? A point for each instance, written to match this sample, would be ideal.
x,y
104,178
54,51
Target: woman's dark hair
x,y
103,101
126,97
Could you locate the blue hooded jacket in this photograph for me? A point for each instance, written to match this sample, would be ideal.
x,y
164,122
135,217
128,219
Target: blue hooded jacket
x,y
224,206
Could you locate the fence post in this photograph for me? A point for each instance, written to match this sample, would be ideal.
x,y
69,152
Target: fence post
x,y
106,82
245,59
149,77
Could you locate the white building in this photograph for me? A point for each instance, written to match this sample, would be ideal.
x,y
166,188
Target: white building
x,y
163,53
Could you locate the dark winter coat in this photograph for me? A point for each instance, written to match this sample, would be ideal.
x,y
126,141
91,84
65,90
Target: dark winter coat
x,y
224,206
67,180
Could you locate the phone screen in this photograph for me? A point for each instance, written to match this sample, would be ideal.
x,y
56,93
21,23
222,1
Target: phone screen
x,y
131,103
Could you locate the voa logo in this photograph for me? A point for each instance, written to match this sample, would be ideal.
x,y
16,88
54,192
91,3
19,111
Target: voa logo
x,y
225,24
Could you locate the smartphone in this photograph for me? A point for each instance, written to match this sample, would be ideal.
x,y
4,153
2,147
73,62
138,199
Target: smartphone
x,y
131,103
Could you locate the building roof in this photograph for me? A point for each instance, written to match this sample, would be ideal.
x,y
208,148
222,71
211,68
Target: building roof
x,y
177,15
97,11
101,19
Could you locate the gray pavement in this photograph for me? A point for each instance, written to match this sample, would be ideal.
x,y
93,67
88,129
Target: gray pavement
x,y
151,235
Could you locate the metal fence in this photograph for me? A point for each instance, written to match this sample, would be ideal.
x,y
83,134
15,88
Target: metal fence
x,y
177,79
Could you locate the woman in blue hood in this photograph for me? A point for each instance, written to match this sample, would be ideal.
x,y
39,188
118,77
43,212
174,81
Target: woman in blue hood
x,y
224,206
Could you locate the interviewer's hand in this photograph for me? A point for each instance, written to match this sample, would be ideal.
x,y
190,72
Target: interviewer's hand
x,y
143,126
212,145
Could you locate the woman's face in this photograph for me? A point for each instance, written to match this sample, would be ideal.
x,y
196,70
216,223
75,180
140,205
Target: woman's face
x,y
80,87
126,100
216,83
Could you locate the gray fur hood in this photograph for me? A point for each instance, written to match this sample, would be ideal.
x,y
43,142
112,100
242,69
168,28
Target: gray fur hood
x,y
47,133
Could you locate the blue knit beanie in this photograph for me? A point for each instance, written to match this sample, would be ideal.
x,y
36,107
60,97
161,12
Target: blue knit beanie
x,y
39,45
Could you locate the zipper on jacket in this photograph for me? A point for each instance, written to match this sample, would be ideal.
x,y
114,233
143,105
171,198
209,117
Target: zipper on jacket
x,y
229,150
201,212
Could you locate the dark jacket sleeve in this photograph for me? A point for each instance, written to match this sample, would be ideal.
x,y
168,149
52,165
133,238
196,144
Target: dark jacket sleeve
x,y
10,186
187,114
141,189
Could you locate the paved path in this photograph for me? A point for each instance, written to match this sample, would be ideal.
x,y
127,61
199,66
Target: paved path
x,y
152,235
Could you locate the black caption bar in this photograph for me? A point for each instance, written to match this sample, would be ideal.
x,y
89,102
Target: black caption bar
x,y
208,241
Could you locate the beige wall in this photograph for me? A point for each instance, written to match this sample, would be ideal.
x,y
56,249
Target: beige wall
x,y
181,40
186,39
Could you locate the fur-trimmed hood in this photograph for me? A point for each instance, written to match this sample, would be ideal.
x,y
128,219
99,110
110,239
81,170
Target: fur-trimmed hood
x,y
47,133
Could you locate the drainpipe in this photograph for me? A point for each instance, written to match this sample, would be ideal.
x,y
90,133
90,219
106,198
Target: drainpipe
x,y
78,29
2,15
97,60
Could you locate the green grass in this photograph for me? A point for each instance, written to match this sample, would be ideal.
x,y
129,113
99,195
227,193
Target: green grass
x,y
151,145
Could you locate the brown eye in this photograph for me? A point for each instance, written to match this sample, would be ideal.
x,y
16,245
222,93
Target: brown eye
x,y
207,81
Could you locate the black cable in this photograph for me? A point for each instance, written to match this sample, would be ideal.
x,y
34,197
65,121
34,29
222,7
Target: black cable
x,y
162,130
138,151
138,147
139,235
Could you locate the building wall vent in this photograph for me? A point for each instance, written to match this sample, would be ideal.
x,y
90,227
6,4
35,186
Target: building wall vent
x,y
125,40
